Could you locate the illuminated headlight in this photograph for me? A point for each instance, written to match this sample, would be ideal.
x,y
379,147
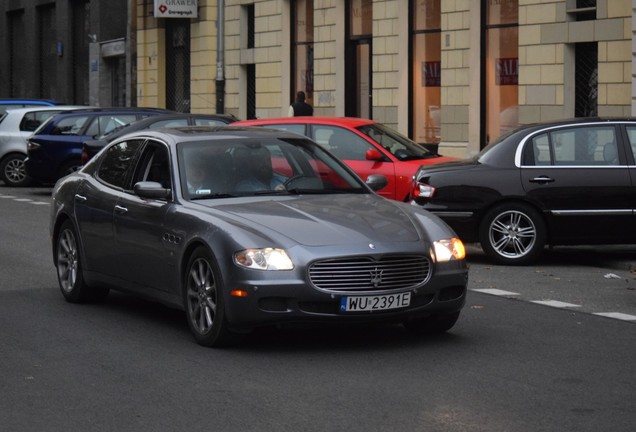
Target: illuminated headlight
x,y
264,259
449,249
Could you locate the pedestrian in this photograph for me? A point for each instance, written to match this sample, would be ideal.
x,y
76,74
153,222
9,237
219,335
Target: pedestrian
x,y
300,107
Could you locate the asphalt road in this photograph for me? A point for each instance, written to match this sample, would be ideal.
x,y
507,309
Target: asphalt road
x,y
510,364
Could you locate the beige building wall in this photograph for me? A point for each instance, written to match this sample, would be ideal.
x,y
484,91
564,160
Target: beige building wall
x,y
151,59
203,42
548,33
458,77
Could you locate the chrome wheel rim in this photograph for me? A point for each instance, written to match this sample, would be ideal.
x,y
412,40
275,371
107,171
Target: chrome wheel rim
x,y
15,171
512,234
201,296
67,262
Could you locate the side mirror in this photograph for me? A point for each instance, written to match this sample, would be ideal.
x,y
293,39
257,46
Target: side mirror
x,y
373,155
377,182
151,190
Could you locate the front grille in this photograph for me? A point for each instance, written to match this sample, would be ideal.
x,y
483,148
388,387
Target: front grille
x,y
369,274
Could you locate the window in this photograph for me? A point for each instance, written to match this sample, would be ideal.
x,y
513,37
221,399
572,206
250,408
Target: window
x,y
118,162
582,146
70,125
501,66
303,49
426,71
586,80
344,144
631,133
104,124
32,120
154,165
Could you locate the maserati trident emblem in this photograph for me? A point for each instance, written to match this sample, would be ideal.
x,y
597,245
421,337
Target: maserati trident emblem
x,y
371,246
376,277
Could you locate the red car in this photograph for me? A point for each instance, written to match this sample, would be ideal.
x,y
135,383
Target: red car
x,y
367,146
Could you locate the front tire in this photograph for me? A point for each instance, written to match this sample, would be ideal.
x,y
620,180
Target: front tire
x,y
13,172
204,301
69,268
513,234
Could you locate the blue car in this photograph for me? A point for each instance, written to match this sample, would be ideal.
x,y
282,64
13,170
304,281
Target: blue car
x,y
55,148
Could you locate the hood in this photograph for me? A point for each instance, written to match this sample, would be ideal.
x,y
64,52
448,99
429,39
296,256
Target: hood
x,y
319,220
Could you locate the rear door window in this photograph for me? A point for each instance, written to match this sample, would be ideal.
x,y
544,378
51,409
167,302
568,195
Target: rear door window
x,y
118,162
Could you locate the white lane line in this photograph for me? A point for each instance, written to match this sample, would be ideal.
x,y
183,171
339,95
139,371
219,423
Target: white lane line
x,y
23,199
555,303
7,196
497,292
39,203
617,315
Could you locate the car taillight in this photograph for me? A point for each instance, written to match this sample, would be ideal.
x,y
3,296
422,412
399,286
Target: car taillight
x,y
84,157
422,190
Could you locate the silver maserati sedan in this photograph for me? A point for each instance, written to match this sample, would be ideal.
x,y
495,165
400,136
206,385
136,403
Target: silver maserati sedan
x,y
246,227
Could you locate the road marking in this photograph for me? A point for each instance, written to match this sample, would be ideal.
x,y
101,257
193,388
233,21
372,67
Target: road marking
x,y
617,315
27,200
496,292
555,303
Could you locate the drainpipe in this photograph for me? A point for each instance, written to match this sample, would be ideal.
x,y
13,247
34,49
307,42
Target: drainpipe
x,y
220,79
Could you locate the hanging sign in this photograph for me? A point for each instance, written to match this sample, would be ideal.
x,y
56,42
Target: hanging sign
x,y
175,9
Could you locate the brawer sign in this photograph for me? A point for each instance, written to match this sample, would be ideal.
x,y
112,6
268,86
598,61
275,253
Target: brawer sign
x,y
175,8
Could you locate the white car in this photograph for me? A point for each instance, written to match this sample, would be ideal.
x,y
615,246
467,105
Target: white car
x,y
16,125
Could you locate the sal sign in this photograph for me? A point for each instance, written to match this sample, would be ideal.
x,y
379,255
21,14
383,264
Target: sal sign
x,y
175,8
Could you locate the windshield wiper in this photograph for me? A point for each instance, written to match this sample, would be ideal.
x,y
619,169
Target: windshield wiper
x,y
212,195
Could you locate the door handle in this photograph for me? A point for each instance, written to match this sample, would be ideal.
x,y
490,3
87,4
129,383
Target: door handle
x,y
542,180
79,197
120,210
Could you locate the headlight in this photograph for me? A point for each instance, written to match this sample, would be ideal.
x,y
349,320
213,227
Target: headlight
x,y
263,259
449,249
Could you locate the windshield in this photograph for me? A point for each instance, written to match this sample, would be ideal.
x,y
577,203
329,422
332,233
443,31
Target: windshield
x,y
400,146
271,166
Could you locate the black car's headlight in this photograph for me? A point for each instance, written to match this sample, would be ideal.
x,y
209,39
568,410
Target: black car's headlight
x,y
264,259
449,249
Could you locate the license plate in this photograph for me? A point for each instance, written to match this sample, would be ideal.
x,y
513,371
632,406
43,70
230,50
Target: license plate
x,y
372,303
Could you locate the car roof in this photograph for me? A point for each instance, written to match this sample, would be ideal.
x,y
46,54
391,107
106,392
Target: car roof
x,y
196,133
98,110
23,110
352,122
18,101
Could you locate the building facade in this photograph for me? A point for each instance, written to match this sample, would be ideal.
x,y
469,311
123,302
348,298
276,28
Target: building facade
x,y
453,75
75,51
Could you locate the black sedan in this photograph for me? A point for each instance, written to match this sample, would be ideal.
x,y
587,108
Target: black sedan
x,y
91,147
244,227
560,183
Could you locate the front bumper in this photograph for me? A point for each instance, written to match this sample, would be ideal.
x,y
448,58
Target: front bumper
x,y
281,302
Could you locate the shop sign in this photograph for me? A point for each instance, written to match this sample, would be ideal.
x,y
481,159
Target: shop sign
x,y
176,9
431,74
507,72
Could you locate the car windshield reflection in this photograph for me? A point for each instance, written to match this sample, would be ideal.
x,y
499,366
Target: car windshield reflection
x,y
225,169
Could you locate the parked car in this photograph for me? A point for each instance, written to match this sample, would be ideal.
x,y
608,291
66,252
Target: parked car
x,y
55,148
367,146
91,147
11,103
560,183
16,125
188,217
